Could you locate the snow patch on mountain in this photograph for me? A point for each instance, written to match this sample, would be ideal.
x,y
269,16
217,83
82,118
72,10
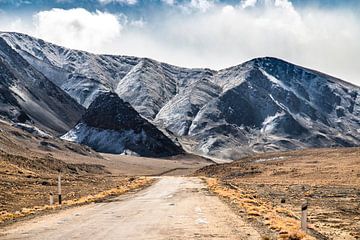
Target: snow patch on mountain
x,y
265,104
32,130
269,122
107,141
111,125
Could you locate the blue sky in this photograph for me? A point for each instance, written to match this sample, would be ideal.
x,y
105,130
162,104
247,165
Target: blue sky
x,y
141,7
319,34
11,5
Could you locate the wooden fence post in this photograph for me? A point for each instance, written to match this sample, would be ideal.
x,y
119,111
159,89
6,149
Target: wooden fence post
x,y
51,199
304,215
59,189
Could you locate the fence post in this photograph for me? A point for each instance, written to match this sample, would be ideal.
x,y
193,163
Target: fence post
x,y
59,189
304,214
51,199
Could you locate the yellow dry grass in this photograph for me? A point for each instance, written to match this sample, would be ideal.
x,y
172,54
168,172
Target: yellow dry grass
x,y
280,220
131,185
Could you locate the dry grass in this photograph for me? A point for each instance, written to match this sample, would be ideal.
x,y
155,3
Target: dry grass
x,y
329,179
285,227
137,183
130,184
29,166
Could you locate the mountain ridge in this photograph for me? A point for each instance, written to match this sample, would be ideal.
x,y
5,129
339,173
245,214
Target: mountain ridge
x,y
120,125
265,104
33,96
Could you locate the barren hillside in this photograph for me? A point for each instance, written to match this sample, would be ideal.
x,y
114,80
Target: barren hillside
x,y
276,184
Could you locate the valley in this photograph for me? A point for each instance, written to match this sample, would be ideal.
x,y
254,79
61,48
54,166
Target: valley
x,y
253,187
29,169
261,197
148,150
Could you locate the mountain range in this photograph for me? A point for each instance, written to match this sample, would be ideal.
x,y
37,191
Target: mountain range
x,y
124,104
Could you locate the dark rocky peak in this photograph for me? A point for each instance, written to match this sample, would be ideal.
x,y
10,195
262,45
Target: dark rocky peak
x,y
108,111
112,125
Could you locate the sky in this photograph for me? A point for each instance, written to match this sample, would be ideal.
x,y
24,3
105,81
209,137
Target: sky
x,y
318,34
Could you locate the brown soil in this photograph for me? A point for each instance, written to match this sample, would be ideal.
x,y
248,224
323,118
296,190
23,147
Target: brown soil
x,y
180,165
329,179
26,183
29,167
20,143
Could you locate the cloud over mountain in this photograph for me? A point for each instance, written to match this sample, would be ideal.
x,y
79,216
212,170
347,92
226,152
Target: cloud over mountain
x,y
78,28
206,33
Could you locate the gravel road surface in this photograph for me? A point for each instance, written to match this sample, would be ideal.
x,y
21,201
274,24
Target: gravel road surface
x,y
172,208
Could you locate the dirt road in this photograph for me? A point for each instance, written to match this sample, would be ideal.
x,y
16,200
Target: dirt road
x,y
173,208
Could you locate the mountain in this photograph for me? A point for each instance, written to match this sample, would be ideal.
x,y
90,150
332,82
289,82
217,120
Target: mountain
x,y
265,104
112,125
146,84
82,75
268,104
26,95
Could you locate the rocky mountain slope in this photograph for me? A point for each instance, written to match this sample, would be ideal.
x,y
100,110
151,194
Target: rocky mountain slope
x,y
82,75
26,95
265,104
112,125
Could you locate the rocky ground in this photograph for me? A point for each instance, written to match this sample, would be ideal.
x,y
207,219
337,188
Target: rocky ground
x,y
269,188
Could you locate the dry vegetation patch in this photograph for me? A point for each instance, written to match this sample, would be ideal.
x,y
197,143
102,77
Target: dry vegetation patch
x,y
26,184
274,185
284,226
73,199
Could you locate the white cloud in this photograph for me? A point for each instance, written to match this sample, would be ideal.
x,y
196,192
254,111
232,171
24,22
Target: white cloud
x,y
283,3
212,34
326,40
129,2
248,3
140,23
193,6
202,5
15,24
190,5
169,2
78,28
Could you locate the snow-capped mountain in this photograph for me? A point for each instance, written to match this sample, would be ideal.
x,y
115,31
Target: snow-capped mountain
x,y
146,84
112,125
26,95
269,104
82,75
261,105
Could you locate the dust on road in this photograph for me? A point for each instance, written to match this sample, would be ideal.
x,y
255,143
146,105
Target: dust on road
x,y
173,208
